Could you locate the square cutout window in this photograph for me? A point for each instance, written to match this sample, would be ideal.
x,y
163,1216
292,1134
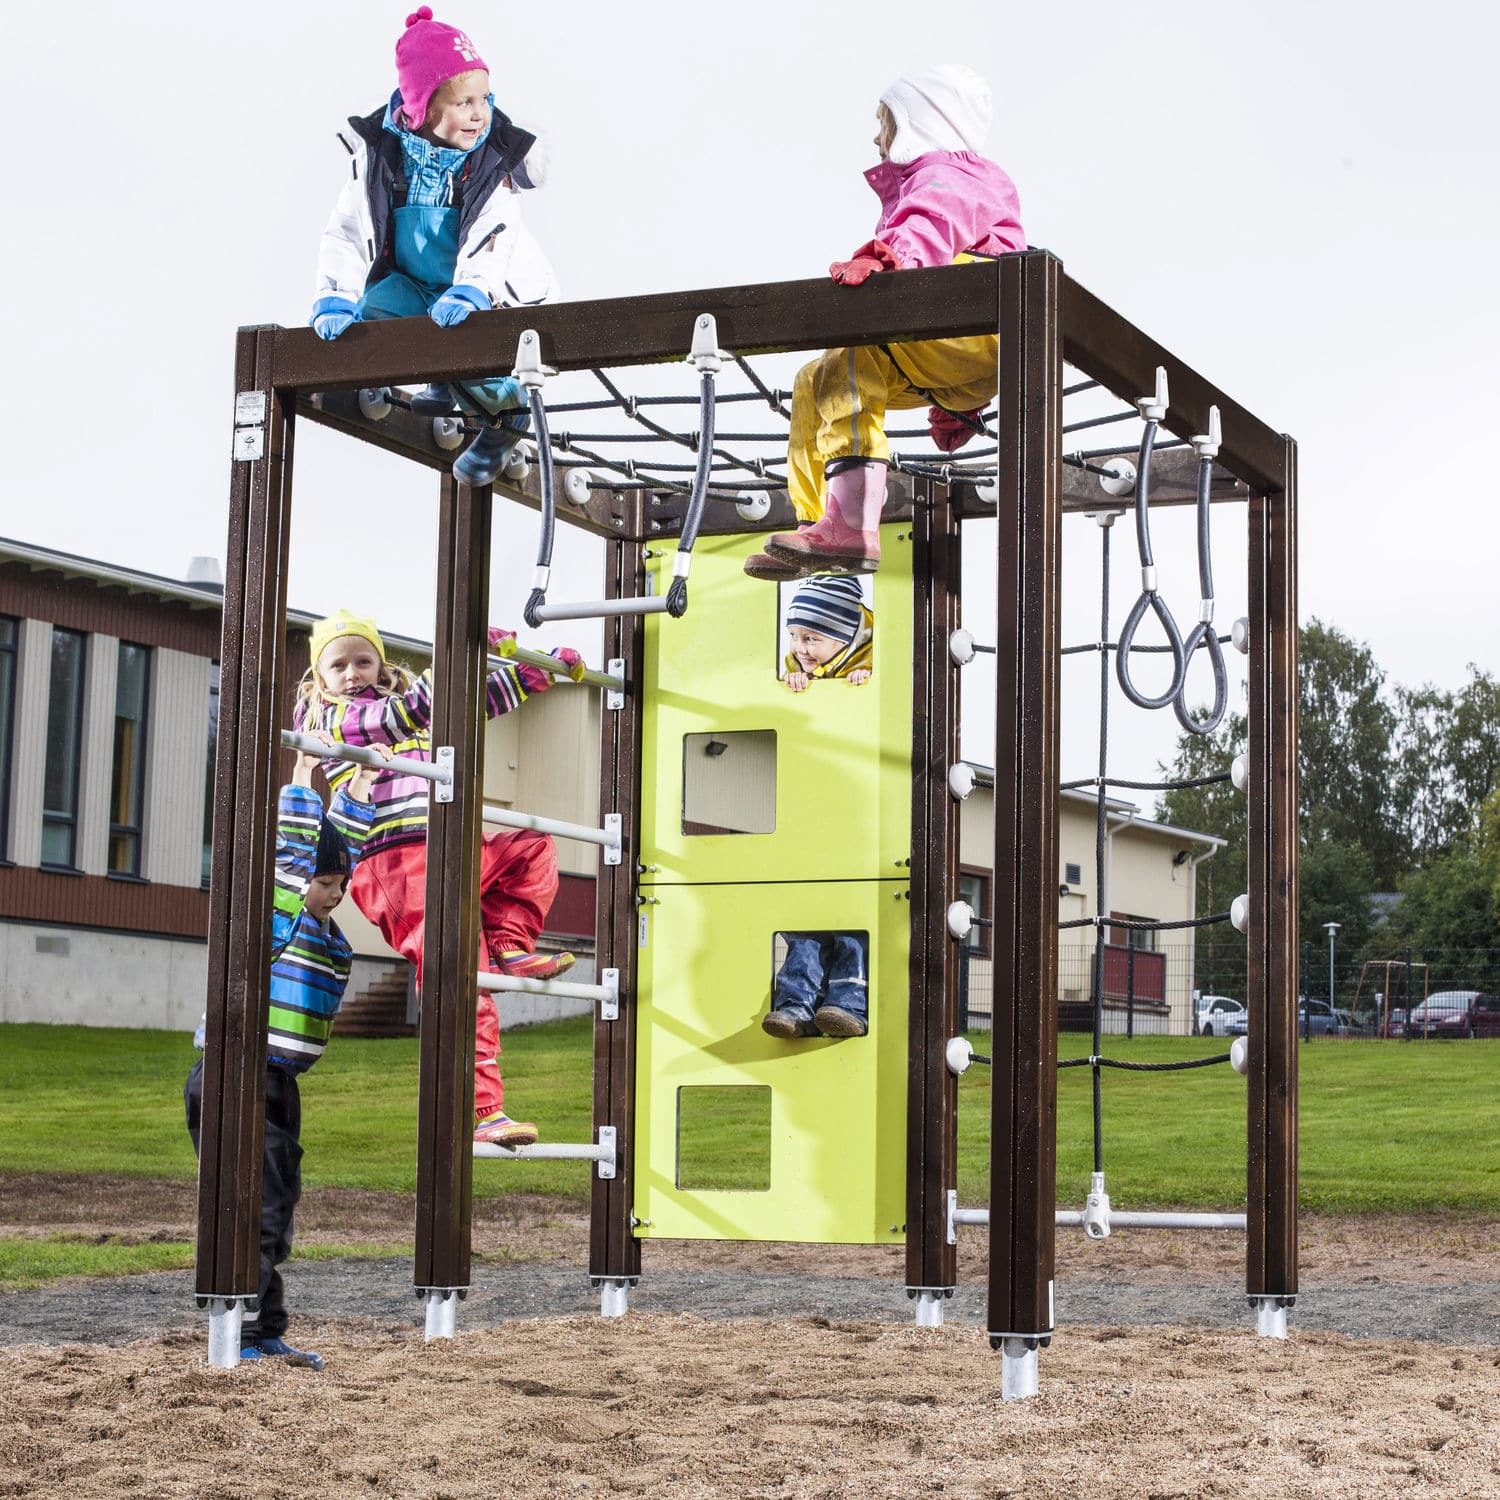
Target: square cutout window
x,y
814,969
729,782
826,625
724,1138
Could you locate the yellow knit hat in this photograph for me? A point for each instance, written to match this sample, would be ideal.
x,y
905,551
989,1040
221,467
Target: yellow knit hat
x,y
343,622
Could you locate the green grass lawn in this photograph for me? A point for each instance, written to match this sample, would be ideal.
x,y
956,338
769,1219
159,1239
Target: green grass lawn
x,y
1385,1126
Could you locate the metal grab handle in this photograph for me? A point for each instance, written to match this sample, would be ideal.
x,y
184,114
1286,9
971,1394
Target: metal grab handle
x,y
548,472
677,598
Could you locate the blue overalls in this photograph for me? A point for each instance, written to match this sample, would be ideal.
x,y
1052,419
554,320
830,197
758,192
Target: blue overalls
x,y
426,246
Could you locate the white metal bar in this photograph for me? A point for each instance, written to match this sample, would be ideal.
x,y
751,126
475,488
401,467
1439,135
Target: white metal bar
x,y
1073,1218
1018,1369
929,1309
600,609
362,755
509,984
225,1317
509,650
441,1314
1270,1317
509,818
544,1152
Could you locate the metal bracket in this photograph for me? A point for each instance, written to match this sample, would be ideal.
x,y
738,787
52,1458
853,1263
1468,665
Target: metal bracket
x,y
607,1141
609,1009
442,791
614,823
615,697
952,1221
249,426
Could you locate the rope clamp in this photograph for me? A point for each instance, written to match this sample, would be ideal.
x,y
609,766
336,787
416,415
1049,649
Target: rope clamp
x,y
1154,408
529,369
705,353
1206,445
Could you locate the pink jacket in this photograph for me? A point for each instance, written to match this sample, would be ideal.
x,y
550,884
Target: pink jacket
x,y
943,203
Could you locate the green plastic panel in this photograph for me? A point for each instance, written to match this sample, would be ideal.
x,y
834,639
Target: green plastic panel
x,y
841,802
838,1108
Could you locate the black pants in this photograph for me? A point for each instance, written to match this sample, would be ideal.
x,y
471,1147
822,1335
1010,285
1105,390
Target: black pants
x,y
281,1187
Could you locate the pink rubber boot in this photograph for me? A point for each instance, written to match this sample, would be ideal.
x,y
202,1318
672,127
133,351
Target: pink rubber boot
x,y
847,538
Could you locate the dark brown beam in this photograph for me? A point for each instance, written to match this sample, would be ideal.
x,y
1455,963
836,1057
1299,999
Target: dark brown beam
x,y
614,1251
1272,793
410,436
450,939
1108,348
1174,481
932,1091
947,301
252,677
1023,1119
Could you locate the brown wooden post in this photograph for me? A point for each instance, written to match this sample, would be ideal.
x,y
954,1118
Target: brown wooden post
x,y
251,707
1023,1134
1272,794
614,1251
932,1091
450,940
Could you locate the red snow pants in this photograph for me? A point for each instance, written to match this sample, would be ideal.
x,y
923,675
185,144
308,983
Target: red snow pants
x,y
517,881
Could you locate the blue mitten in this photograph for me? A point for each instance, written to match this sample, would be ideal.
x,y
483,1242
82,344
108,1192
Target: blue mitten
x,y
456,304
332,315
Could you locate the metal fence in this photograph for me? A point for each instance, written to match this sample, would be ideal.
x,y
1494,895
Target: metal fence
x,y
1192,989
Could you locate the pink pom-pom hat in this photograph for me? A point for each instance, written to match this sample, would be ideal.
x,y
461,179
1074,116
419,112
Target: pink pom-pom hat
x,y
428,54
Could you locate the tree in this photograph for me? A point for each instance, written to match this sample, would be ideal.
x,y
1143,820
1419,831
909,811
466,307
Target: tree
x,y
1448,903
1445,762
1346,729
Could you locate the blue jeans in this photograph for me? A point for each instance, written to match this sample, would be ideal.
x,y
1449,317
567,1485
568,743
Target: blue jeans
x,y
398,296
823,968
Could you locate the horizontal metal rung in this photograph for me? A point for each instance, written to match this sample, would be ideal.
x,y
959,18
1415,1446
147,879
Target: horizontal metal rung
x,y
561,988
603,609
1072,1218
362,755
508,818
583,1152
509,650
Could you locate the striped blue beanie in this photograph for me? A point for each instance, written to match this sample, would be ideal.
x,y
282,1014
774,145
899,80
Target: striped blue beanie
x,y
829,603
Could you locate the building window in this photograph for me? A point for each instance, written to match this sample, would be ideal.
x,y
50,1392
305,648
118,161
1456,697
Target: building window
x,y
127,782
208,775
64,746
974,887
1143,940
9,632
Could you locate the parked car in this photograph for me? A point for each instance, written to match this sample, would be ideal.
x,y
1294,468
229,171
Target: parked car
x,y
1314,1018
1455,1013
1213,1013
1319,1018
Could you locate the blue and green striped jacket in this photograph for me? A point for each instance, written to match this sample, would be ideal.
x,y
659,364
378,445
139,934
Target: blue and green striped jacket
x,y
310,959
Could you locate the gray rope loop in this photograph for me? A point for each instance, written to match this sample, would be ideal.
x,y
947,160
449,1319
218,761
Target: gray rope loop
x,y
1149,598
1203,633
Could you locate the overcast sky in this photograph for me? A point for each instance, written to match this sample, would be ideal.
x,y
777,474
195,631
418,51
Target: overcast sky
x,y
1299,200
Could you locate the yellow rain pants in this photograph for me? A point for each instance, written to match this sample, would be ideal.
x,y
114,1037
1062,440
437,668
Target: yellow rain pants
x,y
840,400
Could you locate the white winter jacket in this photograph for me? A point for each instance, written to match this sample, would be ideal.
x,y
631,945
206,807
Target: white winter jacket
x,y
496,254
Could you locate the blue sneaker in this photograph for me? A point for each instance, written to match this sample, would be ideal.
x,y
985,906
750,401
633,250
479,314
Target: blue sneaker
x,y
483,459
432,401
280,1349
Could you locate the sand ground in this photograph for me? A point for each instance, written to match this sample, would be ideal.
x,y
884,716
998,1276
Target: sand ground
x,y
104,1389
